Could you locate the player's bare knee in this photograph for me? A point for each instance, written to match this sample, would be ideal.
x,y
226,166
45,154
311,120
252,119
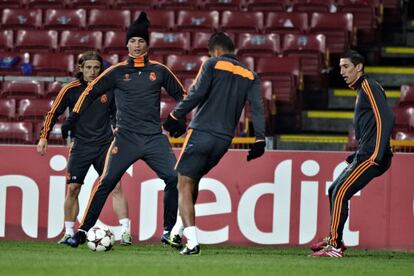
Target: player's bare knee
x,y
74,190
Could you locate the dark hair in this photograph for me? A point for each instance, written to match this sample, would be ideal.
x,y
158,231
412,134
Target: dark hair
x,y
221,40
355,57
88,55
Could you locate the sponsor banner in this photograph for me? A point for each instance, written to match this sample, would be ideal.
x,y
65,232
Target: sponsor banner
x,y
279,199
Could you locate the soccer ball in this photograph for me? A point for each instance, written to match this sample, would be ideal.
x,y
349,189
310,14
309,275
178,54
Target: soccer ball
x,y
100,238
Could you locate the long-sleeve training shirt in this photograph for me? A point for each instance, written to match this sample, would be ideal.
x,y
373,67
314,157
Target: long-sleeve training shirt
x,y
373,119
220,91
136,84
94,126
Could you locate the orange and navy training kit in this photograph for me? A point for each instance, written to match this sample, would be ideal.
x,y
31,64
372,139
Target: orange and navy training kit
x,y
373,122
220,91
94,132
136,84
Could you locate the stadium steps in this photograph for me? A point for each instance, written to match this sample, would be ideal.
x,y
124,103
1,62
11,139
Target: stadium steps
x,y
327,121
311,142
345,98
391,76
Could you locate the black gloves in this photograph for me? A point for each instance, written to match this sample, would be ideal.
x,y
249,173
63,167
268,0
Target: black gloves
x,y
257,150
70,125
175,127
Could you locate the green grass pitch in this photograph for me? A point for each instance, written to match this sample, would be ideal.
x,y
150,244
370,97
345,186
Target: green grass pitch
x,y
48,258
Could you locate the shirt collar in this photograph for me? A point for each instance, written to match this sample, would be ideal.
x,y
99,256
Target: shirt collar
x,y
357,84
139,61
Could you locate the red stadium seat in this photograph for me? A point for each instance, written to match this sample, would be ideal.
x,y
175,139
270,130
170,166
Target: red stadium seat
x,y
55,135
407,95
33,109
10,63
21,19
198,20
52,64
310,48
284,73
23,89
238,21
258,45
266,5
185,66
177,4
6,40
53,89
36,41
161,20
209,5
7,109
403,115
12,4
114,42
312,5
79,41
91,4
107,19
337,27
169,43
286,22
404,136
135,4
16,132
64,19
199,42
247,61
46,3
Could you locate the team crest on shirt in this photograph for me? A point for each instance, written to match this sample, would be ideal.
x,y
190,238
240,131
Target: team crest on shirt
x,y
104,98
126,77
114,150
152,76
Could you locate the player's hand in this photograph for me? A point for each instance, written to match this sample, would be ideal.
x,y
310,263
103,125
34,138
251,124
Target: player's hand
x,y
70,125
41,146
257,150
176,127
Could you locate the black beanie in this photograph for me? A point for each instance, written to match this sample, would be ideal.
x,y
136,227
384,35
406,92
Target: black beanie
x,y
139,28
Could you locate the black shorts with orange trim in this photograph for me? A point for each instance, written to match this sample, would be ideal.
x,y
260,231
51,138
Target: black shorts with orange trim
x,y
81,157
201,153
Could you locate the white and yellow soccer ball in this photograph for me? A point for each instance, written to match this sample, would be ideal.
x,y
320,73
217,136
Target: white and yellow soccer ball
x,y
100,238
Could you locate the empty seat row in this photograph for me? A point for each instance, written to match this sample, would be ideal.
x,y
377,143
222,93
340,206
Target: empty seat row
x,y
24,109
29,89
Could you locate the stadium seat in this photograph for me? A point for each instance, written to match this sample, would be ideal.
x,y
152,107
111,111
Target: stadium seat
x,y
403,115
167,105
27,19
6,40
266,5
64,19
258,45
108,19
238,21
209,5
185,66
161,20
55,135
91,4
404,136
177,4
310,48
52,64
10,63
169,43
53,89
247,61
33,109
310,6
36,41
407,95
286,22
110,59
7,109
16,132
199,42
135,4
285,76
198,20
337,27
12,4
23,89
46,4
115,42
157,58
79,41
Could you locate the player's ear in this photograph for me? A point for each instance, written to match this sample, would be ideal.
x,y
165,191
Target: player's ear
x,y
359,67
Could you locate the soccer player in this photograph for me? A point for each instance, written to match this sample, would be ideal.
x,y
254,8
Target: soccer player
x,y
219,92
137,84
373,122
93,137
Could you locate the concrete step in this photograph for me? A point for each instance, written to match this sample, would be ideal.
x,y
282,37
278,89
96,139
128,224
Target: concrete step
x,y
391,76
327,121
311,142
345,98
